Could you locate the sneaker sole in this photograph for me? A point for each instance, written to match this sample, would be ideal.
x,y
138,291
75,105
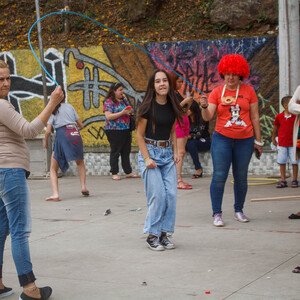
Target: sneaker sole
x,y
221,225
156,249
246,221
6,294
169,247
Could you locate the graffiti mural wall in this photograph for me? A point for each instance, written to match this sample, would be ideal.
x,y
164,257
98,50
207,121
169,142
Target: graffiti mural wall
x,y
87,73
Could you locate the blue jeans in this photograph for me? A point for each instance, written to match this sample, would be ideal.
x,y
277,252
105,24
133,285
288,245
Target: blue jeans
x,y
194,146
226,152
15,219
161,190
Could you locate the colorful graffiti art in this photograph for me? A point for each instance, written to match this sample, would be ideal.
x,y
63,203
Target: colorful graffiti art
x,y
87,73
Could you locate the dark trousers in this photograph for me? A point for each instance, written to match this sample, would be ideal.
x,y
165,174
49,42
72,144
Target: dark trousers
x,y
193,146
120,144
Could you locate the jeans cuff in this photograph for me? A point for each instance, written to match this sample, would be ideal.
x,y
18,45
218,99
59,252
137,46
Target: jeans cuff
x,y
26,278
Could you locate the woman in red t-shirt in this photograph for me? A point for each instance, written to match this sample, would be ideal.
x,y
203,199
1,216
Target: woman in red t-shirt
x,y
237,133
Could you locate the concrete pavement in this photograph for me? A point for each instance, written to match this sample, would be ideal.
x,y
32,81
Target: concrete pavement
x,y
84,255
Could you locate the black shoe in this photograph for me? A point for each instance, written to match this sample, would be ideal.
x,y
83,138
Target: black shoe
x,y
5,292
154,244
45,294
165,242
294,216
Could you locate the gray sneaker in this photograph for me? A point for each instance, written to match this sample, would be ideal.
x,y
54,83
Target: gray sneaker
x,y
165,242
241,217
218,222
154,244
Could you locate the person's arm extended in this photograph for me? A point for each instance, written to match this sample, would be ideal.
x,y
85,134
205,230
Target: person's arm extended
x,y
140,138
207,109
254,116
113,116
19,125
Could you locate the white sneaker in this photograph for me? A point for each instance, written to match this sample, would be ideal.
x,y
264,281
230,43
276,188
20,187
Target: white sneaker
x,y
218,222
239,216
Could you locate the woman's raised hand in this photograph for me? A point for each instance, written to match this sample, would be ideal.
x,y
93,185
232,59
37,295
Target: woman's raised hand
x,y
57,96
203,102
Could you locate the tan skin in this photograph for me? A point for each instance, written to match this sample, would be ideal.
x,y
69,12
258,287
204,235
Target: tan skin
x,y
181,142
119,95
54,167
161,85
55,98
282,167
209,109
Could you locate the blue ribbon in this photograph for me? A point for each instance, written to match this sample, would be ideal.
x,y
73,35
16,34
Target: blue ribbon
x,y
67,12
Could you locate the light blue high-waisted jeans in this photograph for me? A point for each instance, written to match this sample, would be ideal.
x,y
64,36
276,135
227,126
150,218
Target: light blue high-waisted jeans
x,y
15,219
161,190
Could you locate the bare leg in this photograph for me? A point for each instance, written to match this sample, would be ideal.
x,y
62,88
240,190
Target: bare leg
x,y
282,172
82,175
295,172
53,178
181,142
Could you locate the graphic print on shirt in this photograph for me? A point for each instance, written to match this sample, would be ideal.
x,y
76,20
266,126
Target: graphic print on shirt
x,y
235,117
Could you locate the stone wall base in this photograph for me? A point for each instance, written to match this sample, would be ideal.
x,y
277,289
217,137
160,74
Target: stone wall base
x,y
98,164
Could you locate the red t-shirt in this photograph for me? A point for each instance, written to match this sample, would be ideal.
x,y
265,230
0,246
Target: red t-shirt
x,y
234,121
285,129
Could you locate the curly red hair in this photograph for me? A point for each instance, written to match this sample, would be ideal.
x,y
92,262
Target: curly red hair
x,y
234,64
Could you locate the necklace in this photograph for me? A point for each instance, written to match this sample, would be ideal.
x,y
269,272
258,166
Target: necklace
x,y
229,100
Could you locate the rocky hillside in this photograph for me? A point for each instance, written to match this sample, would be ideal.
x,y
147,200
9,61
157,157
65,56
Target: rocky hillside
x,y
139,20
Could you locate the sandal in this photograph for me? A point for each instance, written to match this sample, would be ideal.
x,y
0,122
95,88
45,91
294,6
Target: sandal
x,y
294,184
116,177
281,184
53,199
183,186
132,175
85,193
296,270
294,216
195,176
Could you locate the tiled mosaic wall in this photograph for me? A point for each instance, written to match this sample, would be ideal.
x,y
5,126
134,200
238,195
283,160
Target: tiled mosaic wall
x,y
98,164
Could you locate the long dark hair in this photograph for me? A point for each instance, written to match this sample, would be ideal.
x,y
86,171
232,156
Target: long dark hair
x,y
150,97
196,112
55,111
111,92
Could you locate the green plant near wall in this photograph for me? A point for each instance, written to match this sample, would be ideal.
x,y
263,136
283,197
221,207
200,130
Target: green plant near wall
x,y
267,115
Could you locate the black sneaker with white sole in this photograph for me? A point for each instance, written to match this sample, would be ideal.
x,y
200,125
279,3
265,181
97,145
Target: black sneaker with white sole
x,y
44,291
154,244
165,242
5,292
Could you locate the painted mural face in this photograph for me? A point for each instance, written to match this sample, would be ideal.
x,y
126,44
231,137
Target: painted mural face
x,y
4,82
161,84
119,93
179,83
232,80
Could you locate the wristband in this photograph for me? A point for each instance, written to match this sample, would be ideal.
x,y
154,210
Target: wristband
x,y
258,143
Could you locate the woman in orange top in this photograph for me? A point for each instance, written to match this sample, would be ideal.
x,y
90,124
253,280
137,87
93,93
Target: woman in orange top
x,y
237,133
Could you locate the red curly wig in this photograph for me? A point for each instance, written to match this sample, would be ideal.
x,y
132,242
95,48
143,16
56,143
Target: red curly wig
x,y
234,64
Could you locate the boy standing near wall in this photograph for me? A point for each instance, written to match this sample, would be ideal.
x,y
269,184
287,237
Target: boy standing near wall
x,y
283,128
